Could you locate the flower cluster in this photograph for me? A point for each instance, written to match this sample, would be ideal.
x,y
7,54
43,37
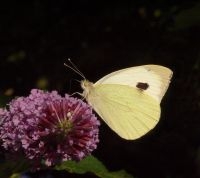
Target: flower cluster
x,y
48,128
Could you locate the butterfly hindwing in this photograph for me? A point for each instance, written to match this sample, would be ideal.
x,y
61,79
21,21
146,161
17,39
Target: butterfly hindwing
x,y
128,111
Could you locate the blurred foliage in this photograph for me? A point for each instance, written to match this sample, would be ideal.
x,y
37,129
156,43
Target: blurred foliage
x,y
89,165
13,168
187,18
16,57
15,176
42,83
4,100
92,165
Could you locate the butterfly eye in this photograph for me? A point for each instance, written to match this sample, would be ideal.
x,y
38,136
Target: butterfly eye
x,y
142,86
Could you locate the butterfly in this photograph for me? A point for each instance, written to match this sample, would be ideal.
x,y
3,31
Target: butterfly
x,y
128,100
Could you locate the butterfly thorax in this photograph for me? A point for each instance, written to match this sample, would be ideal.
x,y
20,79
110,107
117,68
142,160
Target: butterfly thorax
x,y
87,87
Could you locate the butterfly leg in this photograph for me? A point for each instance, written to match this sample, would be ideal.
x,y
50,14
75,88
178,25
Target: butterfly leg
x,y
78,93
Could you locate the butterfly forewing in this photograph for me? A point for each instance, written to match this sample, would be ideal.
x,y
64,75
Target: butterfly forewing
x,y
156,77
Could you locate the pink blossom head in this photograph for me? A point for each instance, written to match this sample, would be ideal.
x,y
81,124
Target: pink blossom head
x,y
48,128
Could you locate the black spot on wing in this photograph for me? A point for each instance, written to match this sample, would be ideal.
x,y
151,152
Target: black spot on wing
x,y
142,86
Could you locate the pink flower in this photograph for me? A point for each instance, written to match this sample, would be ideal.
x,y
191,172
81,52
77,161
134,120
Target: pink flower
x,y
48,128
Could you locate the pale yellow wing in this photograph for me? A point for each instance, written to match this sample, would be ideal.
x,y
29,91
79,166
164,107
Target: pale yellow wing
x,y
130,112
155,76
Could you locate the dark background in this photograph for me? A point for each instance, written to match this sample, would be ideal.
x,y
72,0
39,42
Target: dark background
x,y
37,37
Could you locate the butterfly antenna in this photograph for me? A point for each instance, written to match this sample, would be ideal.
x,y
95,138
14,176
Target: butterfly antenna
x,y
74,68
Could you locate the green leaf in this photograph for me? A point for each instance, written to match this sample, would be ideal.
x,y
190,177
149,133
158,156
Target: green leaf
x,y
91,165
187,18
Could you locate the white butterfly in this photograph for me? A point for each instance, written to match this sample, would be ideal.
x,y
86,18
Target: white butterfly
x,y
128,100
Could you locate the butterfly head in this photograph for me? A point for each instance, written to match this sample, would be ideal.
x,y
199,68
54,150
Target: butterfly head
x,y
87,87
85,84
